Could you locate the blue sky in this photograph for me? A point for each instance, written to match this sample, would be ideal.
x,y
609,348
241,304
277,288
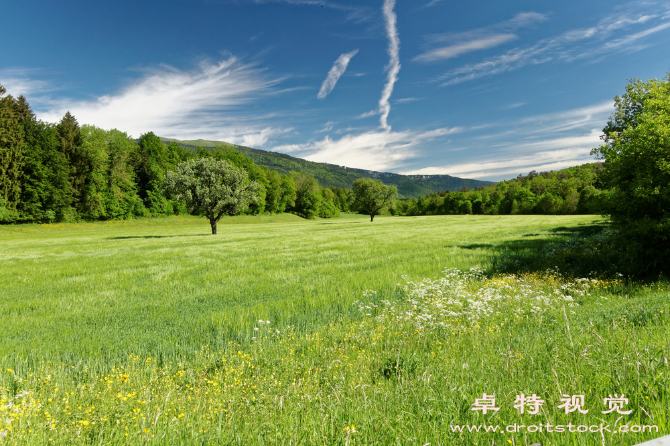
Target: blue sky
x,y
480,89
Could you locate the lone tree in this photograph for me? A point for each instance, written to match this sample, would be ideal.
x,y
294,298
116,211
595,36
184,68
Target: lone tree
x,y
637,169
372,196
212,188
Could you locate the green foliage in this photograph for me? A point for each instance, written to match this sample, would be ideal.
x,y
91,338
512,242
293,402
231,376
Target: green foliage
x,y
568,191
372,197
121,199
637,161
69,135
465,207
7,213
342,198
93,153
45,188
212,188
308,197
67,172
328,207
12,143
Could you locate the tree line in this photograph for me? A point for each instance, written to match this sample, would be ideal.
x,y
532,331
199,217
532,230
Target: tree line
x,y
576,190
65,172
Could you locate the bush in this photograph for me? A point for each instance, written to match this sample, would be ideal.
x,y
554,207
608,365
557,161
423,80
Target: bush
x,y
637,160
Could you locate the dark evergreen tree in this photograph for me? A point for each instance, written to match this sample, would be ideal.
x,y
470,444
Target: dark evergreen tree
x,y
69,135
12,143
151,163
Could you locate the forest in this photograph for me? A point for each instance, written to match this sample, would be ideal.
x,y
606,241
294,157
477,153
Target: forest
x,y
69,172
64,172
575,190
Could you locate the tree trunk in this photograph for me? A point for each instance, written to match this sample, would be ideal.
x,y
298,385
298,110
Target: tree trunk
x,y
213,223
372,217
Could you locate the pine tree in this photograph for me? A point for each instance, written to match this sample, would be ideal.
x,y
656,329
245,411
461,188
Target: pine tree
x,y
12,142
69,135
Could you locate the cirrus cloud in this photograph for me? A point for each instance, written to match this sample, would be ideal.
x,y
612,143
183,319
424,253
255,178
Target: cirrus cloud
x,y
338,69
206,102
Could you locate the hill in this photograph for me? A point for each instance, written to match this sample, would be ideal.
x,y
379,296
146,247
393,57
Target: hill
x,y
331,175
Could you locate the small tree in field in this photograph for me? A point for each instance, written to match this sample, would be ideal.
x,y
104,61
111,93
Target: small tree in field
x,y
212,188
372,196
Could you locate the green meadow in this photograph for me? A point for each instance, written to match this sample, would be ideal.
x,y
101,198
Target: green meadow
x,y
281,330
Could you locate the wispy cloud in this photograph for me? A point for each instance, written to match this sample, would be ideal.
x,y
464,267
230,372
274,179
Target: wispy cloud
x,y
574,44
206,102
513,106
338,69
20,81
432,3
406,100
354,13
393,67
368,114
579,118
327,127
374,150
544,160
457,49
478,39
543,142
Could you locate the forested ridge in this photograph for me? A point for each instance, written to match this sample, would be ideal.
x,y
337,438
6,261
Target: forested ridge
x,y
333,176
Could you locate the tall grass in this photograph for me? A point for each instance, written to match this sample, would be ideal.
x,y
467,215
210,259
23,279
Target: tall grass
x,y
153,332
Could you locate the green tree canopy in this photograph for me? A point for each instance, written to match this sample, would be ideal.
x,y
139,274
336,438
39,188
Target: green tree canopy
x,y
12,143
212,188
372,196
308,198
637,168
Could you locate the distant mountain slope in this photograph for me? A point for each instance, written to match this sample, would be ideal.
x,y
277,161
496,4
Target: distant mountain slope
x,y
330,175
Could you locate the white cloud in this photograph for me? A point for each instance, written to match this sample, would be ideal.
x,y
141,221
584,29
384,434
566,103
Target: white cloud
x,y
204,103
571,45
368,114
373,150
393,67
258,138
406,100
432,3
457,49
579,118
568,151
18,81
478,39
617,43
327,127
338,69
544,142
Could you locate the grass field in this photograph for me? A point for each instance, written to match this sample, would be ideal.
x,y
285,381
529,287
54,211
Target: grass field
x,y
150,332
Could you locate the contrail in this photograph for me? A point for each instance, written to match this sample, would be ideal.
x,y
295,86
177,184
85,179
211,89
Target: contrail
x,y
334,74
394,63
